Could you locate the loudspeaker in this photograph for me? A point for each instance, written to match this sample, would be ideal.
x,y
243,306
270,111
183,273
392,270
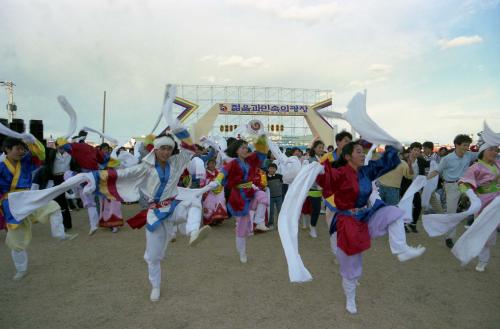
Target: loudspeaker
x,y
12,107
17,125
36,129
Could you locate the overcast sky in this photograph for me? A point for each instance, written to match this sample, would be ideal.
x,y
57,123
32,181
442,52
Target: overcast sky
x,y
432,68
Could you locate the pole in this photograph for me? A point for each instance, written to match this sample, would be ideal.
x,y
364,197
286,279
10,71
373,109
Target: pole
x,y
103,116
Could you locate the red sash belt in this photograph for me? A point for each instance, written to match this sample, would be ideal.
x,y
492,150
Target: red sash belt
x,y
140,219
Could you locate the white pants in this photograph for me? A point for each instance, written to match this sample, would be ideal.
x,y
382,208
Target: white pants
x,y
93,217
484,255
157,241
397,237
20,258
452,198
260,214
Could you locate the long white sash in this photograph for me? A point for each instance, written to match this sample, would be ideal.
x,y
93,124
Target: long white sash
x,y
367,128
473,240
406,202
430,187
439,224
66,106
22,204
288,220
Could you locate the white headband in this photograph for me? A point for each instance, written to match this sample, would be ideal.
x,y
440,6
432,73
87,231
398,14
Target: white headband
x,y
164,140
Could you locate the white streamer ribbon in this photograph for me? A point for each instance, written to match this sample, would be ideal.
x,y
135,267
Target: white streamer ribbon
x,y
288,220
439,224
109,138
473,240
367,128
66,106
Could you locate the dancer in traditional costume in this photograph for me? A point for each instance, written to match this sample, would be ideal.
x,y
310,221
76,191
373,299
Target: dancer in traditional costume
x,y
110,211
156,177
16,175
355,221
481,183
484,178
242,177
214,203
357,218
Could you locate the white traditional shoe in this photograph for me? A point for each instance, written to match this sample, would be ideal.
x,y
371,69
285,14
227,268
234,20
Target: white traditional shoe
x,y
69,236
313,233
411,252
350,306
114,230
198,235
92,230
155,295
481,266
261,227
243,258
19,275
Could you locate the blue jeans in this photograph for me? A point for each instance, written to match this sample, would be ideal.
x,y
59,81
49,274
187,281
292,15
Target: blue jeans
x,y
277,200
390,195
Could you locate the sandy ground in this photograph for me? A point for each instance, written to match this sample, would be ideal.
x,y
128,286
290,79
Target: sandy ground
x,y
101,282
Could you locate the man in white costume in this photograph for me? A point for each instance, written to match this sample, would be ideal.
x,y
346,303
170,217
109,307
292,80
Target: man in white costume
x,y
156,178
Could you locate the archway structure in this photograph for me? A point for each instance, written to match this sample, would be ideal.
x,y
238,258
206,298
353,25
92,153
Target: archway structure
x,y
318,125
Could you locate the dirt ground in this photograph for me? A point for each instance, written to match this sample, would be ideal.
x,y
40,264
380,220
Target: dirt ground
x,y
101,281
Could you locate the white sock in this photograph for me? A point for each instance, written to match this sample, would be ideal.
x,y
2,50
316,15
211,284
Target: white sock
x,y
20,259
484,255
350,294
56,225
241,245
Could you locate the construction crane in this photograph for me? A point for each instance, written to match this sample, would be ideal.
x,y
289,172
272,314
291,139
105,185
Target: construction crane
x,y
11,106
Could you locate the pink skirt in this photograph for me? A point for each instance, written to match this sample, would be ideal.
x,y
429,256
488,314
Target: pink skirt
x,y
214,208
111,213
